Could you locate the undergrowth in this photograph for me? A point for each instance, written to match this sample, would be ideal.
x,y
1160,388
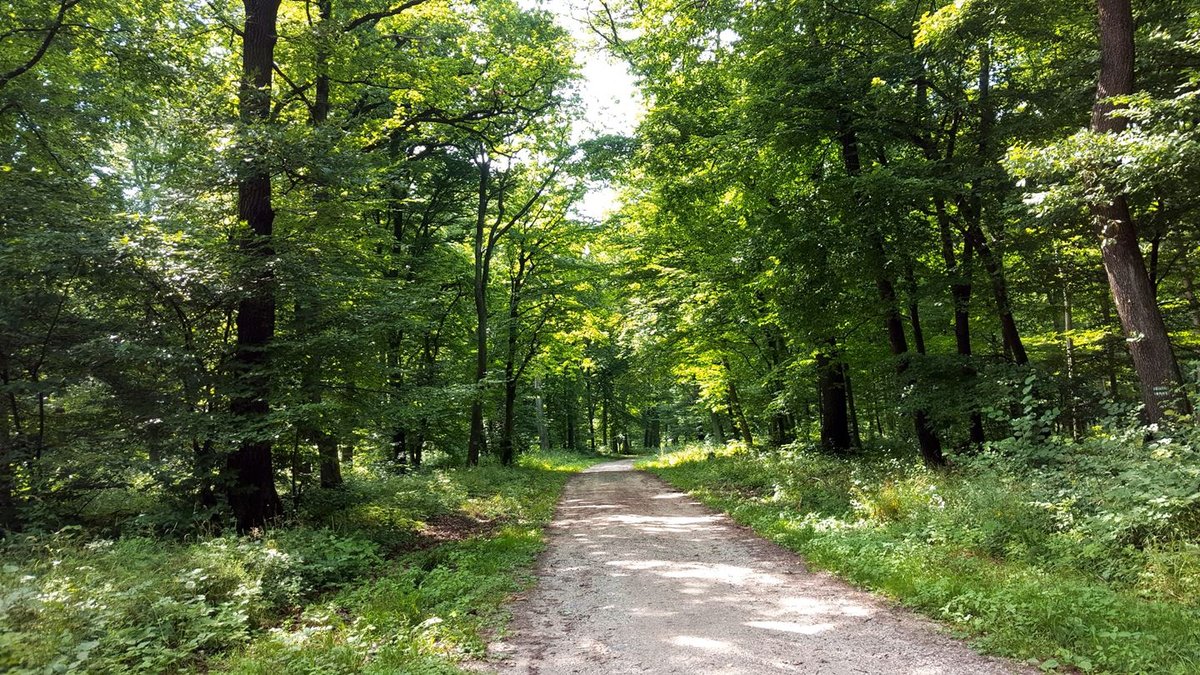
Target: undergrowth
x,y
1088,561
360,582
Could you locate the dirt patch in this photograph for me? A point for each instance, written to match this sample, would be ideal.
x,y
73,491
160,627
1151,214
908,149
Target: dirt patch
x,y
640,578
450,527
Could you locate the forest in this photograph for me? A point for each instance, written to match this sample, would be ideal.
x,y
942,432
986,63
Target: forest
x,y
303,326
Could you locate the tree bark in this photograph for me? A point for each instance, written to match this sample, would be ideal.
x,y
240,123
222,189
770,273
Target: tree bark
x,y
652,438
835,410
508,451
1146,334
478,440
718,433
250,474
852,409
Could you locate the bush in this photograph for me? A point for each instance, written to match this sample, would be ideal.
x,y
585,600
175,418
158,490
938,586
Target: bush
x,y
1079,555
319,596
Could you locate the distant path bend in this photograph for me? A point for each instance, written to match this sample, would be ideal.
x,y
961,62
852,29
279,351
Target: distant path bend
x,y
639,578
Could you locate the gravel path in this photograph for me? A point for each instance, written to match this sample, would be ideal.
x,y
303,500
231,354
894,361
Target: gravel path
x,y
639,578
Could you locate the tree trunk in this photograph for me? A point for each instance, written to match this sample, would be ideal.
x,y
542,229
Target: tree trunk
x,y
1014,348
852,408
508,453
400,447
1189,294
539,409
250,474
960,273
782,431
927,439
507,442
739,415
478,440
835,415
1149,345
569,399
604,419
1069,349
8,501
914,311
308,311
652,438
718,433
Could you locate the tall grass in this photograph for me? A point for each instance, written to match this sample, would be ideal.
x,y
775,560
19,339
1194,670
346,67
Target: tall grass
x,y
1065,565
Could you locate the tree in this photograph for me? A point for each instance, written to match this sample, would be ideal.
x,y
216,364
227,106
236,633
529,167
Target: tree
x,y
250,473
1132,289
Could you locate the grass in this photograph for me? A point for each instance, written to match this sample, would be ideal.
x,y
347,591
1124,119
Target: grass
x,y
391,574
980,549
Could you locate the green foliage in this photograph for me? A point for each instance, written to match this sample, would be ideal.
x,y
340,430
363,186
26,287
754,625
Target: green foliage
x,y
1081,563
298,599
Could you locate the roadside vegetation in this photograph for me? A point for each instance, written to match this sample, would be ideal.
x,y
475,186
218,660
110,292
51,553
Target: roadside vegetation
x,y
390,574
1083,558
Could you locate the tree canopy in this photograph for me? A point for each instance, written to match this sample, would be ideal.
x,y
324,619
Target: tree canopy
x,y
244,240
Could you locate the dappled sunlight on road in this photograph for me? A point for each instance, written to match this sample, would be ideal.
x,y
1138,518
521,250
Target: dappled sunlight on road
x,y
639,578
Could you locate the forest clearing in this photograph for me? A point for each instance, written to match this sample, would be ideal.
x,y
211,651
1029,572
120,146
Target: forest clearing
x,y
344,336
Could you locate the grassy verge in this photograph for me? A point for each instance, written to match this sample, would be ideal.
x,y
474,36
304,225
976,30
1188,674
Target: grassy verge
x,y
391,574
981,549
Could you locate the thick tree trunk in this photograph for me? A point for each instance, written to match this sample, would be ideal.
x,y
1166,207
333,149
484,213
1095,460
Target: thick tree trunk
x,y
835,408
1149,345
249,472
718,433
652,436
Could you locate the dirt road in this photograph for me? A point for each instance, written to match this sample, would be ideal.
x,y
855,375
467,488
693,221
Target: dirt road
x,y
639,578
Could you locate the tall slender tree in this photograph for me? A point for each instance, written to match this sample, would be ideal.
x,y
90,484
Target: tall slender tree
x,y
249,471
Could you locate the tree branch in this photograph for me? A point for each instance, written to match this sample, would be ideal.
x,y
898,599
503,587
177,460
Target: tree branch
x,y
63,7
